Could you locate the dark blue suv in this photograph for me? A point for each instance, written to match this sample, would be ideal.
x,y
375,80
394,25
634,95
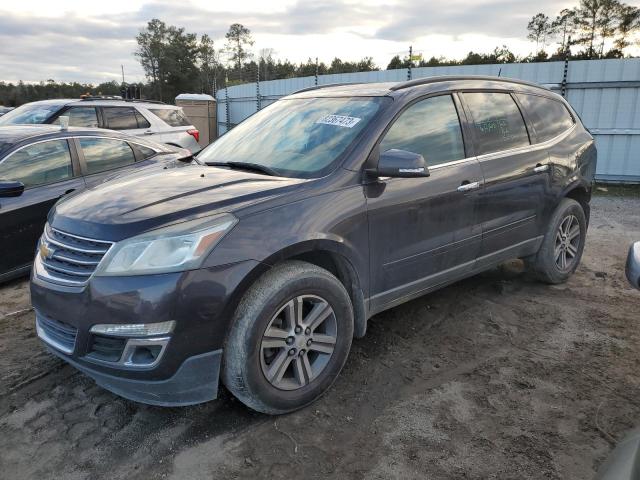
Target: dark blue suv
x,y
260,261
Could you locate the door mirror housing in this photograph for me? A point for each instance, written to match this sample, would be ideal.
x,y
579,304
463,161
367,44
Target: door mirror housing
x,y
401,163
9,188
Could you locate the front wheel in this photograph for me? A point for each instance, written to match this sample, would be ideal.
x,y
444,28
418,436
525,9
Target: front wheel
x,y
290,338
563,244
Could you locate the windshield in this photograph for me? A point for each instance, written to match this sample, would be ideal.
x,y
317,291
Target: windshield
x,y
301,138
29,113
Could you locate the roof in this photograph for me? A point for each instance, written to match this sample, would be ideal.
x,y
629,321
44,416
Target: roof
x,y
195,96
427,84
101,102
12,134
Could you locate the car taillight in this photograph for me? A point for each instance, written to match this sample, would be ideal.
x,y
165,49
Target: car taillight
x,y
194,133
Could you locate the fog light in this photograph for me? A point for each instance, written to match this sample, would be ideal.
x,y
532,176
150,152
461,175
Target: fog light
x,y
134,330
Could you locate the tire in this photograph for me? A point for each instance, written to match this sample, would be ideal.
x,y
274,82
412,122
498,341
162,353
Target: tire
x,y
259,369
547,264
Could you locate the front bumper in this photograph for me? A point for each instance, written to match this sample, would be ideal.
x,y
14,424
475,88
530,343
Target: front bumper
x,y
201,303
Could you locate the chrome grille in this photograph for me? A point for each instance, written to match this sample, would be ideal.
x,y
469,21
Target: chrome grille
x,y
69,259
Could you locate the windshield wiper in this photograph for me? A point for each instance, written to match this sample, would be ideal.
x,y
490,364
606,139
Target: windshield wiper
x,y
256,167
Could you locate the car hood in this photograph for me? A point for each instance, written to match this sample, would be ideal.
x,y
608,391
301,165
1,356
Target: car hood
x,y
152,198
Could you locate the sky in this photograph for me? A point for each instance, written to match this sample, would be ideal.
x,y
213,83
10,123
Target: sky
x,y
88,41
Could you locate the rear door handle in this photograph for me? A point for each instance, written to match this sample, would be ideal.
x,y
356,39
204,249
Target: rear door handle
x,y
541,168
466,187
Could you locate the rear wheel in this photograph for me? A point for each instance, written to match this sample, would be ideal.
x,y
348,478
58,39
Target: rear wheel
x,y
563,243
290,338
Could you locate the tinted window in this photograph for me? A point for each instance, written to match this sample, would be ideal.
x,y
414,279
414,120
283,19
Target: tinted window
x,y
121,118
30,113
430,127
142,122
497,122
38,164
550,118
172,117
80,117
103,154
146,151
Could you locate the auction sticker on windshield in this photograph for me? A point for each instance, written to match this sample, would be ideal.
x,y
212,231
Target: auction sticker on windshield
x,y
339,120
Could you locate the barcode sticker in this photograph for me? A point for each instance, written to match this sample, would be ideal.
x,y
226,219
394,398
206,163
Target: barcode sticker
x,y
339,120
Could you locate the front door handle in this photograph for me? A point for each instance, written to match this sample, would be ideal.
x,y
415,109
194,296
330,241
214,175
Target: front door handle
x,y
541,168
468,186
149,132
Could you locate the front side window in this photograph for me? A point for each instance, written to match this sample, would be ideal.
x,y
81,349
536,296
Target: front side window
x,y
30,113
550,118
102,154
299,137
497,122
80,117
38,164
429,127
174,117
121,118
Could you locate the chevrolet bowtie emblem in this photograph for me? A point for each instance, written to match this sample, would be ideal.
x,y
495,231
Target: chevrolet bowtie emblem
x,y
46,251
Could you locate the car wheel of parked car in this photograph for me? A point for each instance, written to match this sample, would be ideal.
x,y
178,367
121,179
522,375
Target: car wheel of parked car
x,y
290,337
563,243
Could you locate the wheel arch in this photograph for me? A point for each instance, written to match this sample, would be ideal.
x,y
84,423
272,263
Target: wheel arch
x,y
581,193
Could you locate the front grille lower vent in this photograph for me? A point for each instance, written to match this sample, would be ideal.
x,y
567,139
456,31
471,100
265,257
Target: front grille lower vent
x,y
59,335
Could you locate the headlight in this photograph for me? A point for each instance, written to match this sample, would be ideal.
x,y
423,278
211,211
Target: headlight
x,y
172,249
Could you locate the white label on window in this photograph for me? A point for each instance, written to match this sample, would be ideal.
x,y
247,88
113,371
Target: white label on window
x,y
339,120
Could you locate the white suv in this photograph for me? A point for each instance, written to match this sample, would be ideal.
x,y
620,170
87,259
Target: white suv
x,y
161,122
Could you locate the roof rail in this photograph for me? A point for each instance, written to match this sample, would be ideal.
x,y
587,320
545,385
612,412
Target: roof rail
x,y
140,100
449,78
101,97
326,85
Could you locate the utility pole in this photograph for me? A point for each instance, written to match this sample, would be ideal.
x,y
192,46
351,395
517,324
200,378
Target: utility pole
x,y
122,67
316,71
226,102
410,62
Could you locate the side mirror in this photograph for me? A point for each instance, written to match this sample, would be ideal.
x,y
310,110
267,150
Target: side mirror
x,y
401,163
633,265
9,188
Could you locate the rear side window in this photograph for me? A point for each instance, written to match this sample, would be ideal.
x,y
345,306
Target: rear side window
x,y
38,164
497,122
172,117
142,122
80,117
121,118
550,118
146,151
102,154
429,127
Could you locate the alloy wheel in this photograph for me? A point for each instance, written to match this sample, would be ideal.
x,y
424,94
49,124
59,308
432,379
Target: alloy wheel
x,y
567,243
298,342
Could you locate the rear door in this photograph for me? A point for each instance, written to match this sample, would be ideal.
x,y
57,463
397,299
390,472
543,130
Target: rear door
x,y
424,232
516,176
48,171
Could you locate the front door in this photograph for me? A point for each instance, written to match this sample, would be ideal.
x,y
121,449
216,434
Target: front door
x,y
424,231
47,173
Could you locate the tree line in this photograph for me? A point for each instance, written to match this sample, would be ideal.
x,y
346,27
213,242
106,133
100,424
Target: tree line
x,y
176,61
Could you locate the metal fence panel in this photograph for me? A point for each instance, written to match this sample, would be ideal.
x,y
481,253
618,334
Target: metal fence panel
x,y
605,93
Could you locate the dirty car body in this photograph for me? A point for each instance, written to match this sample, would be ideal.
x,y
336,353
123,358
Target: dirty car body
x,y
387,236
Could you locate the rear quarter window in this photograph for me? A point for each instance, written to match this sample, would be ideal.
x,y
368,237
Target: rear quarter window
x,y
550,117
172,117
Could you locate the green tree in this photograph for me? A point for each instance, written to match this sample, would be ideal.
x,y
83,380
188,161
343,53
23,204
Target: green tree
x,y
151,52
238,39
539,27
628,22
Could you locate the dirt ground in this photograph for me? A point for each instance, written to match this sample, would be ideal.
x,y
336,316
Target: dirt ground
x,y
495,377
